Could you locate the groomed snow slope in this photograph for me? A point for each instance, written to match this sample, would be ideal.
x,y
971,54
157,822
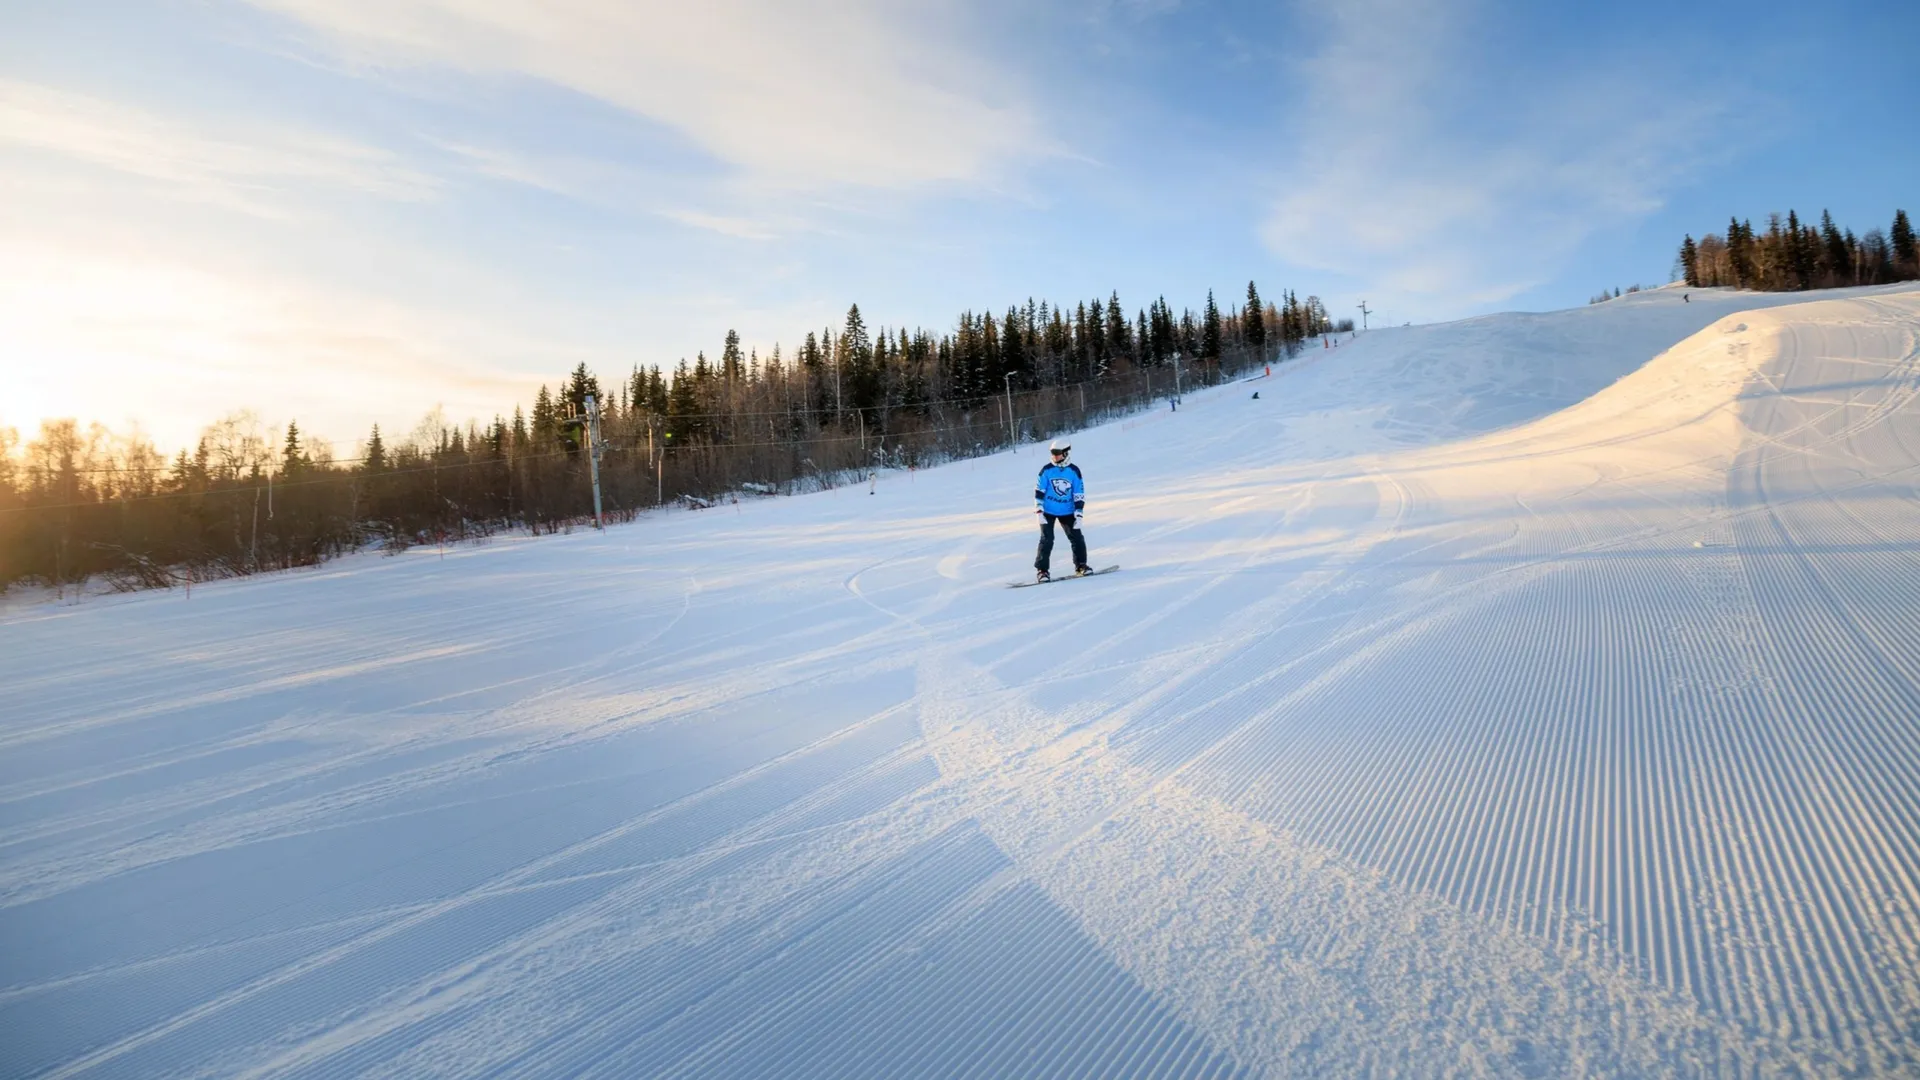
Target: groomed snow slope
x,y
1532,695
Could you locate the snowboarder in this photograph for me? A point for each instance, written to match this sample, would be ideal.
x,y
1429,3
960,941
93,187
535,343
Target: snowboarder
x,y
1060,495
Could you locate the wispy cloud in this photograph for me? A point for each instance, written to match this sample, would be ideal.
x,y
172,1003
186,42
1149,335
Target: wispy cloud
x,y
606,185
740,228
241,168
1421,177
846,92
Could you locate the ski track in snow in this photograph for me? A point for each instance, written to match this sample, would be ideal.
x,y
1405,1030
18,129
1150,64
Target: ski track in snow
x,y
1532,695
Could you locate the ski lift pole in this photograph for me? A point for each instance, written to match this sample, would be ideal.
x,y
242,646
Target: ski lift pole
x,y
593,458
1012,439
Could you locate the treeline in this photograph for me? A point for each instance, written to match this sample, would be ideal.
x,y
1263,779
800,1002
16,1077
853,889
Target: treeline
x,y
1603,295
77,503
1792,255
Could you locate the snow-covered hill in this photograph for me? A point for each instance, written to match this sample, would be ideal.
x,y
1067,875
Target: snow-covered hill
x,y
1536,694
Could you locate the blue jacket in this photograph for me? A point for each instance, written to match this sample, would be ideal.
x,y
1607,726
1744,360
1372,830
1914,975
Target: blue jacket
x,y
1060,490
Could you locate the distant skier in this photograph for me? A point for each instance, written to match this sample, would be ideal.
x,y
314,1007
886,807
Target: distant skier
x,y
1060,495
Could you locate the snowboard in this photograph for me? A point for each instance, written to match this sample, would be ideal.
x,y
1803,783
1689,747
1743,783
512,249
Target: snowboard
x,y
1063,577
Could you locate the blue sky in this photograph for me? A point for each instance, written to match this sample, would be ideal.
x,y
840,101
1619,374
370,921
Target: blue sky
x,y
351,211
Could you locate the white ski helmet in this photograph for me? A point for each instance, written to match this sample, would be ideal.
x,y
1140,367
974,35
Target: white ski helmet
x,y
1059,447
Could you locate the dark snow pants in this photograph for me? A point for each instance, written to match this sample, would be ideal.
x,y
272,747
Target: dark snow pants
x,y
1074,536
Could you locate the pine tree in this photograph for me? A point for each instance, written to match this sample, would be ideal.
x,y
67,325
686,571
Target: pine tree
x,y
579,384
1740,253
943,365
290,458
1834,268
1210,330
854,344
1774,265
870,379
546,421
732,368
971,359
1799,260
1690,262
851,353
1096,340
988,371
872,389
377,448
813,374
657,392
636,392
1013,348
1255,324
1082,355
915,389
733,371
1166,339
1119,335
683,402
701,420
1189,341
1906,254
1059,345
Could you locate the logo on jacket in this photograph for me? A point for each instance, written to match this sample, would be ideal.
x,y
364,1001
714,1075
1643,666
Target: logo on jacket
x,y
1062,486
